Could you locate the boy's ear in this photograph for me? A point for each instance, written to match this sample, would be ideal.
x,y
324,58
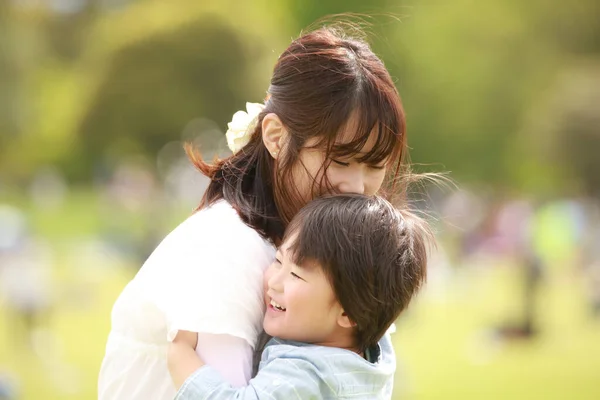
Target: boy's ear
x,y
344,321
273,134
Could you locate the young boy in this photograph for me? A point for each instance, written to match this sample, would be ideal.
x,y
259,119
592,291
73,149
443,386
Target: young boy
x,y
348,266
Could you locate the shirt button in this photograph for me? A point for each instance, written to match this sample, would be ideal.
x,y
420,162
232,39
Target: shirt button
x,y
276,382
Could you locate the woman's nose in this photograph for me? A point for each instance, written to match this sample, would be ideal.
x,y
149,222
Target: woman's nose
x,y
353,183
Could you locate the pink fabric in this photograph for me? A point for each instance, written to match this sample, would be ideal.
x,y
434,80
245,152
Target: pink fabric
x,y
229,355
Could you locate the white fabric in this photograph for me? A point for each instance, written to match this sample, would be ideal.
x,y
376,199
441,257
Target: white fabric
x,y
206,276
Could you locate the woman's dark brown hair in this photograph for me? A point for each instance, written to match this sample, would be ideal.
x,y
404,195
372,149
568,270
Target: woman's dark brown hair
x,y
320,81
374,256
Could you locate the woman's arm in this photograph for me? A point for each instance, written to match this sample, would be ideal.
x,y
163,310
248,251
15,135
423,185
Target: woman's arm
x,y
231,356
203,286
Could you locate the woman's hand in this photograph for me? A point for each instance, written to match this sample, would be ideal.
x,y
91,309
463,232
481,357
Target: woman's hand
x,y
182,358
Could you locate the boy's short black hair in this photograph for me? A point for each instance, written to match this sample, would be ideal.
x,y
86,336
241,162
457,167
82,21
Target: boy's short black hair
x,y
374,256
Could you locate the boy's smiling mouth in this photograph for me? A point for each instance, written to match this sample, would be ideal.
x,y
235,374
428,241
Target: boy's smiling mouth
x,y
276,306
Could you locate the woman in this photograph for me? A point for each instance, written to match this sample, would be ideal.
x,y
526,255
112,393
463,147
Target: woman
x,y
333,122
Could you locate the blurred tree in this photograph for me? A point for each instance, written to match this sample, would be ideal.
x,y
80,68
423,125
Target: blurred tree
x,y
100,85
66,33
10,78
576,121
155,86
42,68
467,73
311,12
573,29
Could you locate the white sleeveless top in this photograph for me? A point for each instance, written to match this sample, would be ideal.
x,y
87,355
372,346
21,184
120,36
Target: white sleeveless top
x,y
206,276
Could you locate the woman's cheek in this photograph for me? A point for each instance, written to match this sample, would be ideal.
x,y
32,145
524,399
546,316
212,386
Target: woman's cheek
x,y
376,182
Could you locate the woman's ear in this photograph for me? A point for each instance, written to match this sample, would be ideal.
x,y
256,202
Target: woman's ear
x,y
344,321
273,134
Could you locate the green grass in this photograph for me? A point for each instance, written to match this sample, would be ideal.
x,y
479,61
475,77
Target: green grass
x,y
447,350
443,343
79,326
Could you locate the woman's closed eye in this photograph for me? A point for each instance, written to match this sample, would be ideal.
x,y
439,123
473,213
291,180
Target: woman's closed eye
x,y
380,166
347,164
341,163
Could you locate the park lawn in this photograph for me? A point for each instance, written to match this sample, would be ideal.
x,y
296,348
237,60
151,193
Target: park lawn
x,y
447,350
74,348
443,349
444,346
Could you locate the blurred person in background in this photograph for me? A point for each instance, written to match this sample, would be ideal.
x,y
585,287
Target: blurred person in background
x,y
25,276
514,226
8,389
590,256
332,123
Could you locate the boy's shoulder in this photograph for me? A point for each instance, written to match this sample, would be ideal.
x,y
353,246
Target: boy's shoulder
x,y
344,372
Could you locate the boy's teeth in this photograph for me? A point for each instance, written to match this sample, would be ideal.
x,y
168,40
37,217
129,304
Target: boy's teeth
x,y
277,305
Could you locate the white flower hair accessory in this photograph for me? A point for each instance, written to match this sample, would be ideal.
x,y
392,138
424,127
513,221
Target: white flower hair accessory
x,y
242,125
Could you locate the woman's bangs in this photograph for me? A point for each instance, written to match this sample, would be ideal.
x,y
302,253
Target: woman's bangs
x,y
377,127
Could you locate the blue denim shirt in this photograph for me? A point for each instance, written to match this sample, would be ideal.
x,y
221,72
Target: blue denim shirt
x,y
292,370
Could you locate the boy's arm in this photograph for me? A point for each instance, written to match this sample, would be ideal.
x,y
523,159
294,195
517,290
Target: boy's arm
x,y
229,355
281,379
182,358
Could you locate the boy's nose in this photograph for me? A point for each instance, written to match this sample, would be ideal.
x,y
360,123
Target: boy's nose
x,y
274,283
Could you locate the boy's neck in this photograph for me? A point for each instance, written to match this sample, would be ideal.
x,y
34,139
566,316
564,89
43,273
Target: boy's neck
x,y
341,342
352,348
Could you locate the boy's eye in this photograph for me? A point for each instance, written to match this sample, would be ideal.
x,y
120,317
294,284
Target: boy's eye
x,y
295,275
338,162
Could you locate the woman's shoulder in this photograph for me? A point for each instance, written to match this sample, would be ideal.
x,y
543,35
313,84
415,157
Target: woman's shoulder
x,y
213,236
219,210
219,223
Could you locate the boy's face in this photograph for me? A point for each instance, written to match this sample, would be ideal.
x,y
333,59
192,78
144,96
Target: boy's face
x,y
301,304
